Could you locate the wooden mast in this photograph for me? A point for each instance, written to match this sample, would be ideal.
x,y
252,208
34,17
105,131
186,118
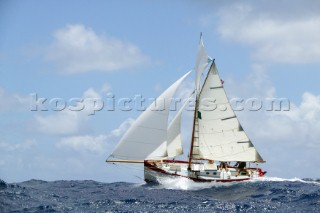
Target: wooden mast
x,y
195,117
194,120
193,128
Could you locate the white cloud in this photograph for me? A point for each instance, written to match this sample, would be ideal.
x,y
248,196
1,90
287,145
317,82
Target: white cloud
x,y
68,121
293,126
102,144
84,143
122,128
275,34
290,140
13,102
79,156
91,93
158,87
64,122
292,136
18,146
78,49
299,126
106,88
256,85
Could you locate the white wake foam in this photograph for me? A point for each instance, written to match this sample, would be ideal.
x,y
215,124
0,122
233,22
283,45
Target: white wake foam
x,y
182,183
278,179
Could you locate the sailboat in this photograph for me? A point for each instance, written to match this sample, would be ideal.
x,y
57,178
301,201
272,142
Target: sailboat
x,y
220,150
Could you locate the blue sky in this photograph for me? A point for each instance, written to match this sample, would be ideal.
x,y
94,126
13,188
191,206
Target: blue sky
x,y
87,49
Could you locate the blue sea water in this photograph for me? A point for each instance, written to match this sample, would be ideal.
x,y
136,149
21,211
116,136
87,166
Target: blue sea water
x,y
172,195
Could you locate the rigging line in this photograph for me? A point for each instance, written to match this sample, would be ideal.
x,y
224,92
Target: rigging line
x,y
119,170
139,177
132,167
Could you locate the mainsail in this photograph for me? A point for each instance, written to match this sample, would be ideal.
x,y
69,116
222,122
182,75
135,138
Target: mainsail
x,y
218,133
147,137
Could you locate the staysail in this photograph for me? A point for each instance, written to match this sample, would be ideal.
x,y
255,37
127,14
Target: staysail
x,y
147,137
219,135
174,143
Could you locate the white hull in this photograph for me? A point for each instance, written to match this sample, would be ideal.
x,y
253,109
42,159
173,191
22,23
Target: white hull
x,y
153,171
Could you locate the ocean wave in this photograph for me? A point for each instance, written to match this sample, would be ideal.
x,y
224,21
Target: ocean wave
x,y
172,195
3,184
182,183
295,179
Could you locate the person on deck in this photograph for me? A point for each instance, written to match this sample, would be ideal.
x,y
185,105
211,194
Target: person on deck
x,y
241,167
223,165
210,165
